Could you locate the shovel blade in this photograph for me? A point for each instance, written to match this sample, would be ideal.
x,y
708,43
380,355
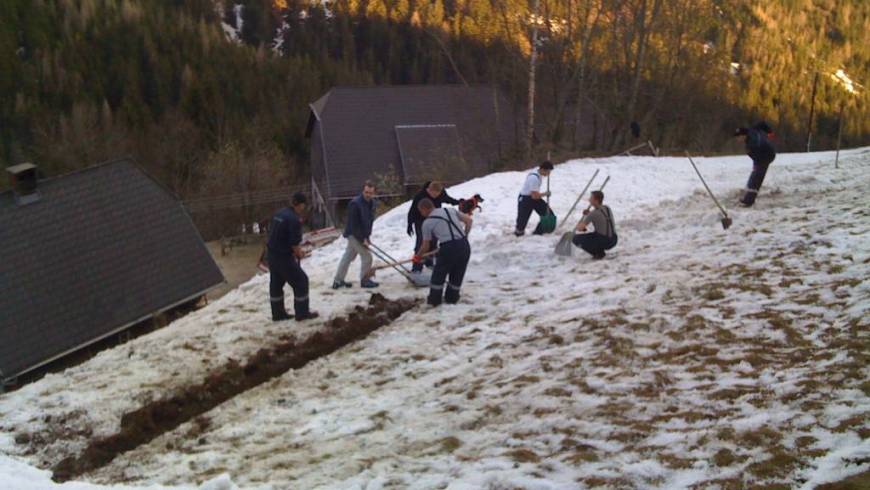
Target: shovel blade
x,y
726,223
420,280
565,246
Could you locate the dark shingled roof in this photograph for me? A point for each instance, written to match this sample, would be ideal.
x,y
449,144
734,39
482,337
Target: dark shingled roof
x,y
359,130
101,249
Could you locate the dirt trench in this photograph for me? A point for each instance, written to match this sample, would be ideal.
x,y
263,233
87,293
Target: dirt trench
x,y
150,421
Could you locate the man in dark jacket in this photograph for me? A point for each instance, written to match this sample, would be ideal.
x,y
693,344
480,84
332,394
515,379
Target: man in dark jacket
x,y
435,192
285,237
762,152
360,218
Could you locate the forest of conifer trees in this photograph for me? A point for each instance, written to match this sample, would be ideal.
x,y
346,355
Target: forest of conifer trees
x,y
211,96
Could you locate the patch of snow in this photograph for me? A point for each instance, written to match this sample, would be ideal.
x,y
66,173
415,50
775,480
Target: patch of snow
x,y
17,475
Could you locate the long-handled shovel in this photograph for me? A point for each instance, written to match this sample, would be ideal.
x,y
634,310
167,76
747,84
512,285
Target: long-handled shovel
x,y
726,220
565,247
548,221
577,201
418,280
396,264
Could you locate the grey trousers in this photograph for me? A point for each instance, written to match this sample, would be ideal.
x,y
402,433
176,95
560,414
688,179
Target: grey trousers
x,y
354,248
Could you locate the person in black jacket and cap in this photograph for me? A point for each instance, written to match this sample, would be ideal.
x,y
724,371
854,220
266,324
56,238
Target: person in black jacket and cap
x,y
762,152
434,191
285,252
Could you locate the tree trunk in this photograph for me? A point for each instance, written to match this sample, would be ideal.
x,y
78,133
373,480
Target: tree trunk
x,y
643,30
812,110
839,134
530,130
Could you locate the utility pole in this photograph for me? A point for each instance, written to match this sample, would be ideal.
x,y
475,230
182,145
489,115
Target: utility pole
x,y
533,60
812,109
839,133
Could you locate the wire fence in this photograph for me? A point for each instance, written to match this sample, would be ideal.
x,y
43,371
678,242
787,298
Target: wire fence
x,y
239,213
242,199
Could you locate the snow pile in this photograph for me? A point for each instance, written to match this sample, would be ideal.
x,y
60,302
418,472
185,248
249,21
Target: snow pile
x,y
15,475
691,355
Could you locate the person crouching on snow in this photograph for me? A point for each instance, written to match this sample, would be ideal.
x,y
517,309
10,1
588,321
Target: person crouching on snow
x,y
442,224
604,237
762,152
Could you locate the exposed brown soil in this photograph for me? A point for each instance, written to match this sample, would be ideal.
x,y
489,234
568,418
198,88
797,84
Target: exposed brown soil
x,y
150,421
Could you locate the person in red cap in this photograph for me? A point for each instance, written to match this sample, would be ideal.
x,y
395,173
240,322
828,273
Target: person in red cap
x,y
762,152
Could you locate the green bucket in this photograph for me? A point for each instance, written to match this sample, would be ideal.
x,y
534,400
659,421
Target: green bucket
x,y
547,223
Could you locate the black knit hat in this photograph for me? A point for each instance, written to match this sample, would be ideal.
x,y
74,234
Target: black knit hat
x,y
763,126
546,165
298,198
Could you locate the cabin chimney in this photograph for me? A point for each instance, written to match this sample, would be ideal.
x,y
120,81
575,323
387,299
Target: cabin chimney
x,y
24,178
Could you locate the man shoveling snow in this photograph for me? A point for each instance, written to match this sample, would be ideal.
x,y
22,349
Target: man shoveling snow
x,y
442,224
762,152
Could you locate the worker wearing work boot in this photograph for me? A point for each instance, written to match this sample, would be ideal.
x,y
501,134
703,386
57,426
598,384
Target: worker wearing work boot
x,y
532,199
435,192
604,235
360,218
285,252
762,152
450,228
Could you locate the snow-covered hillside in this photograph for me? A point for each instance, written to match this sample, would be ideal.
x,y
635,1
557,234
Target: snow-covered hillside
x,y
691,356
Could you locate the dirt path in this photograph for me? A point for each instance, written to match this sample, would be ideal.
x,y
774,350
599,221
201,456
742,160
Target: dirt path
x,y
152,420
238,265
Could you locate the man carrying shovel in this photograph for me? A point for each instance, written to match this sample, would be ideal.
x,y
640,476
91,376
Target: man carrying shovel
x,y
531,199
360,218
435,192
443,225
762,152
604,235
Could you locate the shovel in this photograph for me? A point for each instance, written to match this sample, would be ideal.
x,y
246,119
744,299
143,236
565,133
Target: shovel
x,y
565,247
577,201
418,280
726,220
395,264
548,221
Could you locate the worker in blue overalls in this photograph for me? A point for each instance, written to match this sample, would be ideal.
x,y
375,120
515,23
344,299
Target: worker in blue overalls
x,y
285,253
443,225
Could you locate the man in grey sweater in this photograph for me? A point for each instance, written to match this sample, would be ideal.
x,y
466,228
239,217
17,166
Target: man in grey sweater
x,y
604,235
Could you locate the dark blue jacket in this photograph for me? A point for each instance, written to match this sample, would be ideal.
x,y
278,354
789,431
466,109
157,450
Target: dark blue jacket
x,y
360,217
759,148
414,216
285,232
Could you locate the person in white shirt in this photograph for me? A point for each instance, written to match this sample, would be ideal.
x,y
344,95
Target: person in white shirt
x,y
531,199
